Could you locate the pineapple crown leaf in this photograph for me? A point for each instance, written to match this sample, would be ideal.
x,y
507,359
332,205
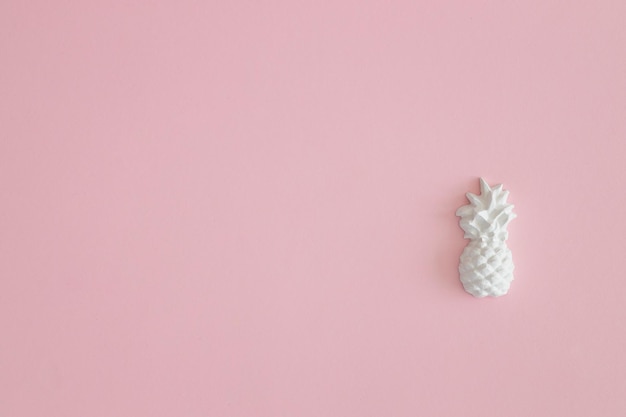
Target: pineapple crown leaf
x,y
488,214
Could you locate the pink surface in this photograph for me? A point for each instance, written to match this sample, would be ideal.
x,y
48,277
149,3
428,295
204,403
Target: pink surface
x,y
247,208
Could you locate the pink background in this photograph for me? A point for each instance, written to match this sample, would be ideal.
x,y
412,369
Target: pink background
x,y
246,208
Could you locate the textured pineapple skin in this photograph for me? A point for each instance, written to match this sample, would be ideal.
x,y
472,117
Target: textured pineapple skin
x,y
486,268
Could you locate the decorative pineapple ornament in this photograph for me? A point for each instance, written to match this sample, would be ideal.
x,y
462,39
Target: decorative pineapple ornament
x,y
486,263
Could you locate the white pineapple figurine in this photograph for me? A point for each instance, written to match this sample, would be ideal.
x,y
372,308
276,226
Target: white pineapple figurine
x,y
486,263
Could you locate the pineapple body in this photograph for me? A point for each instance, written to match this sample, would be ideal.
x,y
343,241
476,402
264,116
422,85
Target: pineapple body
x,y
486,266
